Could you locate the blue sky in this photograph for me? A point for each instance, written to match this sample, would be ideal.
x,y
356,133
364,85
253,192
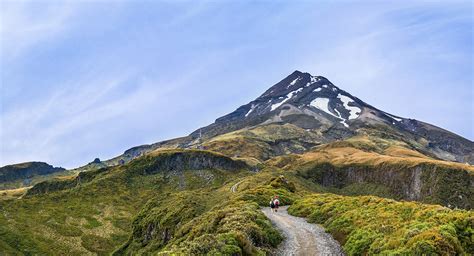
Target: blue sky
x,y
86,79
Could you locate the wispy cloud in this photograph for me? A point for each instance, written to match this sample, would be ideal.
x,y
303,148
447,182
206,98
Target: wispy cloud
x,y
24,24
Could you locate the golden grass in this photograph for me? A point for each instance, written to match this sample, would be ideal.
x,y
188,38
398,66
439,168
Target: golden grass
x,y
160,151
240,147
393,155
364,150
13,193
271,132
68,177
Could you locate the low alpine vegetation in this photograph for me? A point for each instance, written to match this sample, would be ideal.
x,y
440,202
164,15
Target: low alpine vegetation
x,y
368,225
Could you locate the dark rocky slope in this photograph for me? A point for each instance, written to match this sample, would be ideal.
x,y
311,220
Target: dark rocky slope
x,y
25,171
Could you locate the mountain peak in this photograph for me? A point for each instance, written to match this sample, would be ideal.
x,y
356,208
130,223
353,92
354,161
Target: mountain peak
x,y
305,92
295,80
297,95
297,73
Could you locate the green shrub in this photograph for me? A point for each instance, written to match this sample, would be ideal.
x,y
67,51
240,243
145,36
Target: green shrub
x,y
372,225
96,244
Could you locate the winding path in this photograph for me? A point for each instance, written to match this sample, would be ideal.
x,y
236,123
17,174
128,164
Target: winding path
x,y
302,238
233,189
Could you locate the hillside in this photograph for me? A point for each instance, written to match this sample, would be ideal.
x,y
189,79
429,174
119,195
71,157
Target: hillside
x,y
92,212
177,201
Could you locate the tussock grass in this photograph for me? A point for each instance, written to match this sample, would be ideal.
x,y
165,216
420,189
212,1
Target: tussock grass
x,y
373,151
13,193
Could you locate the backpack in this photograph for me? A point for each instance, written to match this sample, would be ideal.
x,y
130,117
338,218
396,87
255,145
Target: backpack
x,y
277,202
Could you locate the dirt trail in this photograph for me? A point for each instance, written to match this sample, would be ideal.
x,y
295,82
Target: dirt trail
x,y
301,237
233,189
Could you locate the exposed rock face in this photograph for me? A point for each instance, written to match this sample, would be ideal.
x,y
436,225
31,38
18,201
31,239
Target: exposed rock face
x,y
427,183
186,160
26,170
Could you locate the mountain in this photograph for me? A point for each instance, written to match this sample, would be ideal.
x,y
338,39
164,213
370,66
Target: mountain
x,y
319,112
25,173
314,103
378,183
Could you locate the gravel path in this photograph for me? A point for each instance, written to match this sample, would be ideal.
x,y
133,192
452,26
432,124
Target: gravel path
x,y
233,189
302,238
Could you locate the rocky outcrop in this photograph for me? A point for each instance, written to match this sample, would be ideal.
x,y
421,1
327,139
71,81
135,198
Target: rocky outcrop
x,y
180,160
428,183
26,170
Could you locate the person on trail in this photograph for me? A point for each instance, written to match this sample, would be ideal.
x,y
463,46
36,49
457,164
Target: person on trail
x,y
272,205
276,202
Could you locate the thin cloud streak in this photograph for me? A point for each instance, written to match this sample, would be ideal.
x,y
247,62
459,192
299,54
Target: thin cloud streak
x,y
23,25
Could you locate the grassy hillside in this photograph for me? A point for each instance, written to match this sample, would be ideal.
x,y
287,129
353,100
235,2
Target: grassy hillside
x,y
92,213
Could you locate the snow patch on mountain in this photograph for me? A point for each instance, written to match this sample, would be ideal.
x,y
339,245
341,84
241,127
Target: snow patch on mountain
x,y
354,112
313,79
293,82
251,109
394,117
288,97
322,104
317,90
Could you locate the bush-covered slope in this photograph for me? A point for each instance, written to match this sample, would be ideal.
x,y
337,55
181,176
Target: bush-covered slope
x,y
368,225
190,224
217,221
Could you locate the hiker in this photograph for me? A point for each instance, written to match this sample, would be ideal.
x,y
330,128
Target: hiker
x,y
276,203
272,205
